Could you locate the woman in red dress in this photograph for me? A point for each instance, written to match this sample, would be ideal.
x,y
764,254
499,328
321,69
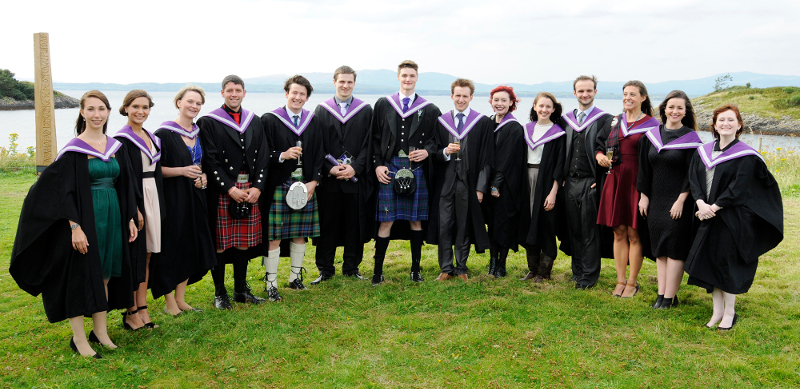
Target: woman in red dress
x,y
619,199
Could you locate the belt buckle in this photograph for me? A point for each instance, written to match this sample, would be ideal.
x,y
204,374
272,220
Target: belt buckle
x,y
242,178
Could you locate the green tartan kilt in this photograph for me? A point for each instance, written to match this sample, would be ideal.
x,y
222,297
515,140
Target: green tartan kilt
x,y
287,223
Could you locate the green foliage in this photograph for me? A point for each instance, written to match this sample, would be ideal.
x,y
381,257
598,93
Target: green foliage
x,y
722,81
774,102
12,159
10,87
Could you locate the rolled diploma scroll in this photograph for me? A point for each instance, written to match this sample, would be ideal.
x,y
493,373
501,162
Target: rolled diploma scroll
x,y
335,162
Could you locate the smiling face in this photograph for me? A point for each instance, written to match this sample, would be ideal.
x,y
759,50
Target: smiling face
x,y
632,99
138,110
344,85
95,113
676,111
501,102
408,80
296,97
189,105
544,107
727,124
585,92
461,97
233,95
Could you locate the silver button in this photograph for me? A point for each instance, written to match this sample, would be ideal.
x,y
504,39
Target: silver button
x,y
231,167
226,159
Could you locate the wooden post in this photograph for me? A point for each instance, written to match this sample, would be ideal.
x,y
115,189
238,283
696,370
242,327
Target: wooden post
x,y
43,102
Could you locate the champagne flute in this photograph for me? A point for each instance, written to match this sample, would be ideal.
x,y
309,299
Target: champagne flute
x,y
610,156
458,153
299,159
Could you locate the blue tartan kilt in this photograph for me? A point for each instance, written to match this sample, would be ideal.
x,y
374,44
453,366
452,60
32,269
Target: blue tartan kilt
x,y
287,223
392,206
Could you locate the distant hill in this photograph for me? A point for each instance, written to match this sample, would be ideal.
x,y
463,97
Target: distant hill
x,y
382,81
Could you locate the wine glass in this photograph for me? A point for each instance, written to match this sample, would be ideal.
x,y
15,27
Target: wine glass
x,y
299,159
610,156
458,153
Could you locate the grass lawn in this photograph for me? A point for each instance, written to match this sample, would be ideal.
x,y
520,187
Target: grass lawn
x,y
774,102
485,333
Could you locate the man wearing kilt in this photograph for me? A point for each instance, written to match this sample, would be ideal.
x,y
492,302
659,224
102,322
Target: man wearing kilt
x,y
296,157
236,162
345,218
403,126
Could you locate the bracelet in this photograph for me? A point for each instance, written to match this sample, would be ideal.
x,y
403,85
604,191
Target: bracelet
x,y
494,189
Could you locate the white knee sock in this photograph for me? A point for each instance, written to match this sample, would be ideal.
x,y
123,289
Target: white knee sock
x,y
297,251
271,263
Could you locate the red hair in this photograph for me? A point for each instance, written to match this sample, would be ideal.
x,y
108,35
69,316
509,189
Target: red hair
x,y
511,95
725,108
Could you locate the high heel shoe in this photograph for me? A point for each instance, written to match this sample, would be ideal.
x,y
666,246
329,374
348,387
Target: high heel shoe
x,y
150,324
75,349
659,299
94,339
634,292
735,318
618,295
125,324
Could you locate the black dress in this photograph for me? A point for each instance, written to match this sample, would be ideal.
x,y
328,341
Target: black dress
x,y
187,248
663,176
726,248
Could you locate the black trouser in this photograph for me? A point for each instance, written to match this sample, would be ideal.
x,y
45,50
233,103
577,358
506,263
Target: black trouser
x,y
338,217
584,232
454,210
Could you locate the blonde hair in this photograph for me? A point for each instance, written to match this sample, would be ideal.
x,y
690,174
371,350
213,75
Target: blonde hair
x,y
190,88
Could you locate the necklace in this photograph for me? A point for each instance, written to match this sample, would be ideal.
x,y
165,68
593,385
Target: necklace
x,y
634,122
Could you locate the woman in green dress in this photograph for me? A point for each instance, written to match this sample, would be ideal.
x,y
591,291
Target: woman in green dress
x,y
86,188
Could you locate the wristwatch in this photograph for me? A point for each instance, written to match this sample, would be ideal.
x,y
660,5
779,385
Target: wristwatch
x,y
73,227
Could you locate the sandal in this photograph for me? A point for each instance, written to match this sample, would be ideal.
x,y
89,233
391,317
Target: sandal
x,y
149,324
634,292
618,295
125,324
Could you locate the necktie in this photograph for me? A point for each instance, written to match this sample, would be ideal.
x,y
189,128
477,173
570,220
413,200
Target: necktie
x,y
405,104
460,125
343,108
581,116
295,119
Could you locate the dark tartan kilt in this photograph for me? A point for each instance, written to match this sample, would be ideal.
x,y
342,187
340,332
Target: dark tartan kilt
x,y
287,223
392,206
237,232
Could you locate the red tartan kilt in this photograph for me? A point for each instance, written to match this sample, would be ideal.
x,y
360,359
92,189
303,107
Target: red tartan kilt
x,y
237,232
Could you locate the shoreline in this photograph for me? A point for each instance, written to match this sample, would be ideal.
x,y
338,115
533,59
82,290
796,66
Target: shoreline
x,y
62,101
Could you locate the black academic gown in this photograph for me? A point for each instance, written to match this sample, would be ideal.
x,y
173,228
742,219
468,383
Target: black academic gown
x,y
385,130
280,138
138,248
354,137
480,151
726,248
225,151
509,223
187,248
541,228
43,260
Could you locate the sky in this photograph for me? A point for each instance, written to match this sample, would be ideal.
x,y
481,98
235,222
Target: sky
x,y
493,42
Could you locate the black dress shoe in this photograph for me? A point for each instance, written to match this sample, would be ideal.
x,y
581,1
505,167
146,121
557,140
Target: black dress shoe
x,y
247,297
75,348
355,275
93,338
416,277
659,299
222,302
735,318
580,286
297,284
272,294
322,277
377,279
